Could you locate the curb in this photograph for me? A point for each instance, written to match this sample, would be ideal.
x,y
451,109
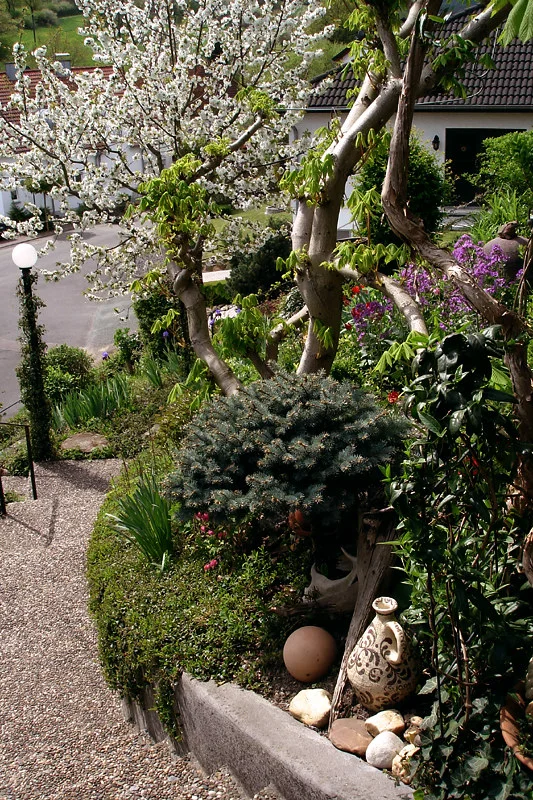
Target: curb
x,y
261,745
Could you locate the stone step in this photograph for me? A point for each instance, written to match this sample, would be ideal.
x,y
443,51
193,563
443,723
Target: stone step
x,y
268,793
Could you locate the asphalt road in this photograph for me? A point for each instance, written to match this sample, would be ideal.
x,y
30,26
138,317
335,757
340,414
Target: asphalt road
x,y
68,318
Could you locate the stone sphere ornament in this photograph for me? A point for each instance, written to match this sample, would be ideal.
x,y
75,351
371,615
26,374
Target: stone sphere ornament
x,y
309,653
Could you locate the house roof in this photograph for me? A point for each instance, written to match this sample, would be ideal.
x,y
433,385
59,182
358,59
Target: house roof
x,y
506,87
7,86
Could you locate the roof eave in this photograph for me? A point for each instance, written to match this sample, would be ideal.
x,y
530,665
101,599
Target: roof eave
x,y
503,109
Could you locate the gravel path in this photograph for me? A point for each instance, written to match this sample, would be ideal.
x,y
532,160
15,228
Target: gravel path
x,y
62,734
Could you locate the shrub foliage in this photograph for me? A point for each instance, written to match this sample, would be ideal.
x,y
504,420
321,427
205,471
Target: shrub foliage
x,y
294,442
427,187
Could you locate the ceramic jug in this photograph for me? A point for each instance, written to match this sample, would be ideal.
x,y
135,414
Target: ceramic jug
x,y
382,667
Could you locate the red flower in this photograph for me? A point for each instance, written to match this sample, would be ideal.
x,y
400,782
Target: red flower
x,y
393,397
356,290
348,326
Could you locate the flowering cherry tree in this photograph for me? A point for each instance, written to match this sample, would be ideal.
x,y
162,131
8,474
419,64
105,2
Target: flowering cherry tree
x,y
190,103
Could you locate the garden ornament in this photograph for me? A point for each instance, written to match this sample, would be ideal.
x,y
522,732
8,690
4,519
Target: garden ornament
x,y
509,243
382,667
340,594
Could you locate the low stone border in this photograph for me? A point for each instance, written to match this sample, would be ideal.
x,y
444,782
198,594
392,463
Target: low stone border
x,y
262,745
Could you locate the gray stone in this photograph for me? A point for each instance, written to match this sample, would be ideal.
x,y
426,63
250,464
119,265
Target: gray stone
x,y
388,720
382,749
86,442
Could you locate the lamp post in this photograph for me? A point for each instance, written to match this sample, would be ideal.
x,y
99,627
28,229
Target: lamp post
x,y
30,370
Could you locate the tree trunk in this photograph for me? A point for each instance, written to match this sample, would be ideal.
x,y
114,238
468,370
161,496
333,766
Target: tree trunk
x,y
192,298
412,232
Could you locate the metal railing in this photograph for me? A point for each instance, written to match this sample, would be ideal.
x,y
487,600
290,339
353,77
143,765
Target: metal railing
x,y
3,509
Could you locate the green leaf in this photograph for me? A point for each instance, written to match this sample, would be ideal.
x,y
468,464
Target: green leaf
x,y
498,396
475,765
429,686
430,422
519,22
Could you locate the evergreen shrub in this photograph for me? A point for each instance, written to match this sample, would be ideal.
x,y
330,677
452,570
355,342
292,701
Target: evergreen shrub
x,y
428,188
252,273
67,369
293,442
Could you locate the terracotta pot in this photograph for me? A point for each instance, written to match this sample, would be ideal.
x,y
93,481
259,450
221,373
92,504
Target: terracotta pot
x,y
510,715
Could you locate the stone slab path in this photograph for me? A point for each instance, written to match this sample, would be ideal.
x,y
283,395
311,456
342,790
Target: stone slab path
x,y
62,733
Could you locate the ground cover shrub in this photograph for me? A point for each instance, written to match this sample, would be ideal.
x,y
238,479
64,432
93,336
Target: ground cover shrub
x,y
294,442
460,546
215,622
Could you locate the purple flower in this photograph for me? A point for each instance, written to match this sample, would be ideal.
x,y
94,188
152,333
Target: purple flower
x,y
105,355
166,334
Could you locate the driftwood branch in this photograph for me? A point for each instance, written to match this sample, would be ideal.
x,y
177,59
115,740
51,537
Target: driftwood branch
x,y
374,558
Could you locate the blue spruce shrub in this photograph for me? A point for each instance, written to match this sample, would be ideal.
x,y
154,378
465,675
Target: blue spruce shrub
x,y
303,443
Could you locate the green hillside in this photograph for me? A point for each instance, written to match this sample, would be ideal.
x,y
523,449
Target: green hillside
x,y
63,38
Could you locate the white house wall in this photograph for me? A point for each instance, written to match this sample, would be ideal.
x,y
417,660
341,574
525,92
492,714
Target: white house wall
x,y
429,124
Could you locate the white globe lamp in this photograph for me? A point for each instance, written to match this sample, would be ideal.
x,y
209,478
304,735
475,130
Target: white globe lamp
x,y
24,255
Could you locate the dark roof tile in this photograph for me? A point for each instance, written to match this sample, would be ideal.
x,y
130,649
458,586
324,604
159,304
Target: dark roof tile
x,y
509,84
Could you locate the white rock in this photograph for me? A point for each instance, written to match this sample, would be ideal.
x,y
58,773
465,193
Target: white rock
x,y
388,720
381,750
400,763
311,706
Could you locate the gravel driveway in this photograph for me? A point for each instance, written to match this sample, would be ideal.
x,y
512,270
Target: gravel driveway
x,y
62,734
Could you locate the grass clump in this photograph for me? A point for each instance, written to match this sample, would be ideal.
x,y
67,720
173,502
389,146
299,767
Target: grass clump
x,y
143,518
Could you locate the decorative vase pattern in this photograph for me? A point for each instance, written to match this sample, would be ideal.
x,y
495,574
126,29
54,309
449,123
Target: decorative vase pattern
x,y
382,667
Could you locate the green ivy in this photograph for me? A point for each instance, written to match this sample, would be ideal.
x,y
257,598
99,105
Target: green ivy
x,y
459,543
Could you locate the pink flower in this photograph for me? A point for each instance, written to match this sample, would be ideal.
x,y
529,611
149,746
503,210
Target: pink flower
x,y
210,565
205,516
210,533
202,528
